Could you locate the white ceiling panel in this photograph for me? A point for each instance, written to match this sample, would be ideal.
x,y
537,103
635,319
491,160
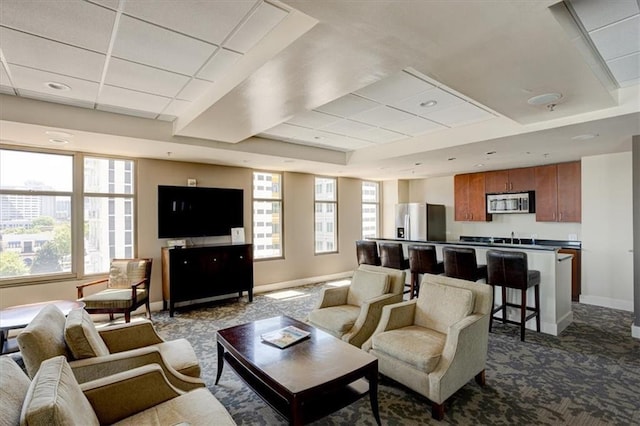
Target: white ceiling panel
x,y
72,21
210,21
113,4
381,135
343,143
414,126
460,114
34,80
619,39
57,99
412,103
626,68
176,107
595,14
35,52
219,64
313,119
194,89
144,78
261,21
347,106
287,131
394,88
347,127
148,44
126,111
119,97
381,116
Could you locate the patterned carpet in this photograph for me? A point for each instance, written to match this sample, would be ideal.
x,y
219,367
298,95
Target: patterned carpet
x,y
589,375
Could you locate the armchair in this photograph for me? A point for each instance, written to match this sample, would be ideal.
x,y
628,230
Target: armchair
x,y
93,353
142,395
128,287
351,313
436,343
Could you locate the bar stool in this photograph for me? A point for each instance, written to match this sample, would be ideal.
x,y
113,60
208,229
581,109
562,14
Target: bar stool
x,y
422,260
392,256
509,269
367,252
460,262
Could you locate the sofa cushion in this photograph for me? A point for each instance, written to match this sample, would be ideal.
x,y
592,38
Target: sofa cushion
x,y
196,407
14,385
82,337
440,306
43,338
180,355
366,285
55,398
336,320
417,346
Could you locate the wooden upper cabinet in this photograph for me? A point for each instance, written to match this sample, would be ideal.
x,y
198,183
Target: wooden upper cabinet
x,y
513,180
558,192
470,201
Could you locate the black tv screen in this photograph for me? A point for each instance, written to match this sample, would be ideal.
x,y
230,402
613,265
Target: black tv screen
x,y
186,211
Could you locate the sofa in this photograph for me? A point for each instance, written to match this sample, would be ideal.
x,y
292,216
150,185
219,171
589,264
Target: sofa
x,y
94,353
139,396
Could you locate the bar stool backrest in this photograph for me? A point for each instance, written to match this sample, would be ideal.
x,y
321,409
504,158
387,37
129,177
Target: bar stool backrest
x,y
423,259
367,252
392,256
460,262
507,268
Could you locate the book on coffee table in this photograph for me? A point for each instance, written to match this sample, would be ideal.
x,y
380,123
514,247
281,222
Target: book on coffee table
x,y
285,336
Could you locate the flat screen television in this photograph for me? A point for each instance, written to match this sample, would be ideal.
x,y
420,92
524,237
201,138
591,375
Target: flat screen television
x,y
188,211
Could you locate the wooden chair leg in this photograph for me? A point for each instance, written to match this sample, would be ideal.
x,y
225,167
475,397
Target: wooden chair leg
x,y
414,279
504,305
481,379
110,316
493,298
127,316
537,300
523,313
437,411
148,309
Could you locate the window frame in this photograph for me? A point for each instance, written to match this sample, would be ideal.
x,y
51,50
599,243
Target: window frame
x,y
257,245
366,203
335,206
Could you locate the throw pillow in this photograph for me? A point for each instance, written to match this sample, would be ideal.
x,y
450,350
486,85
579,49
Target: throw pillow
x,y
81,336
123,273
55,398
14,385
366,285
440,306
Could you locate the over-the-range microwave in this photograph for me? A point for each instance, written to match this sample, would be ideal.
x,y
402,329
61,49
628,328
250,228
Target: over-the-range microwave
x,y
521,202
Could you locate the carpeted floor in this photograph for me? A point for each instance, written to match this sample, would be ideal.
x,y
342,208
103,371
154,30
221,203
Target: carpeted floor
x,y
589,375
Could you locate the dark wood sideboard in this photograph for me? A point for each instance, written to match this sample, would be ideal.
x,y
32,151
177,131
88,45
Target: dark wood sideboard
x,y
198,272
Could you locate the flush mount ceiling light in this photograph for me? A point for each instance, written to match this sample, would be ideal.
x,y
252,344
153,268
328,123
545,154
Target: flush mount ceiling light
x,y
544,99
427,104
58,141
584,137
57,86
58,134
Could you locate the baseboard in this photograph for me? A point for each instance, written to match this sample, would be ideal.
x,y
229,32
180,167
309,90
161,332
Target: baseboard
x,y
635,331
607,302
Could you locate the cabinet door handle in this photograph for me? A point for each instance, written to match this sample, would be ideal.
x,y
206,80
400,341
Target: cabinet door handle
x,y
560,216
505,186
215,260
241,257
184,262
510,185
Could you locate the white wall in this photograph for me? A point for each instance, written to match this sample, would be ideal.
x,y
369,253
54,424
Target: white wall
x,y
607,241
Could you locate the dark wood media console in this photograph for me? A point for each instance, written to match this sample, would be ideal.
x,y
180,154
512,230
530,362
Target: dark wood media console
x,y
199,272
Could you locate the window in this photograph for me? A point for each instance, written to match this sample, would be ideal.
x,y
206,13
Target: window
x,y
326,215
267,215
370,209
45,222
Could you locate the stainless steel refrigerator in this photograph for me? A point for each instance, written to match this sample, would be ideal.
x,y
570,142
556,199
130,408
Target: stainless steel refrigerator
x,y
419,221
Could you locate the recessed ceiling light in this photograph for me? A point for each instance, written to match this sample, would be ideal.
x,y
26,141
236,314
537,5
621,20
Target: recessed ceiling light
x,y
318,137
417,164
478,165
544,99
58,141
429,103
584,137
490,153
57,86
451,158
58,134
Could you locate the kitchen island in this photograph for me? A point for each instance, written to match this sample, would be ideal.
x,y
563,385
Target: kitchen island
x,y
555,279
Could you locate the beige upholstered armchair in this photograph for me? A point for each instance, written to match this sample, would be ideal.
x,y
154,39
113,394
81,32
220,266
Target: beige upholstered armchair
x,y
93,353
139,396
436,343
127,288
351,313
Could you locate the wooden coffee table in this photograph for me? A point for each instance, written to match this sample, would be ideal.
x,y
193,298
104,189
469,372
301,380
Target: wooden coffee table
x,y
305,381
20,316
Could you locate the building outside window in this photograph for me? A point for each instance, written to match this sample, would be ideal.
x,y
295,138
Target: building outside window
x,y
326,215
267,215
40,236
370,209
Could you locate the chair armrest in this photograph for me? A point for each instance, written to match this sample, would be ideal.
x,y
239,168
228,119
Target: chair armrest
x,y
94,368
464,355
124,394
124,337
396,315
333,296
81,287
367,321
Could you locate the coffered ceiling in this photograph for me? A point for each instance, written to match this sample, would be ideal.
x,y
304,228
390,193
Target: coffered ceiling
x,y
391,89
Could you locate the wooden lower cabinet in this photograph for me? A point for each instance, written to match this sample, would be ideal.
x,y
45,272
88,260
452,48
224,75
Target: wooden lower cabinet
x,y
576,266
200,272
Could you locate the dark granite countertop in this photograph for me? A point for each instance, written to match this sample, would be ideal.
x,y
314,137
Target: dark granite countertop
x,y
544,245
